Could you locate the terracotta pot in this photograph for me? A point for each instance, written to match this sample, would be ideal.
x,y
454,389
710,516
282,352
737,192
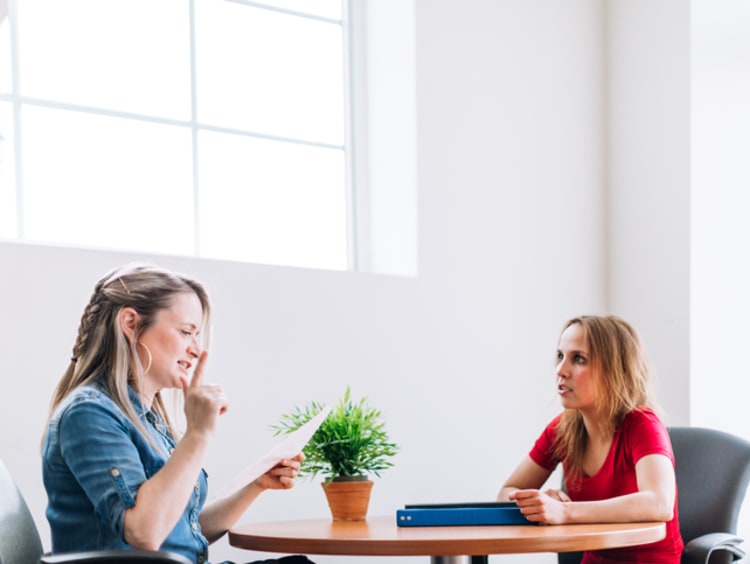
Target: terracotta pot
x,y
348,500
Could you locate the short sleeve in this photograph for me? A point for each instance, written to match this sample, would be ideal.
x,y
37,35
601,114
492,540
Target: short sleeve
x,y
542,452
97,445
646,434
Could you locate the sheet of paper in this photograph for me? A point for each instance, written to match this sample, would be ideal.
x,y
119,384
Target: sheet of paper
x,y
291,446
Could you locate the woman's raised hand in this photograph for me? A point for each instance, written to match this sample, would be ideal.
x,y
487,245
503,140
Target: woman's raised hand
x,y
203,402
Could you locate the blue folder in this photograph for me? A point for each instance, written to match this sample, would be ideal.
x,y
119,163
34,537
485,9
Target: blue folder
x,y
458,514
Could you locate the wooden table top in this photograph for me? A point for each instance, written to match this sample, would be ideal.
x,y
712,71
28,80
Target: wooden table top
x,y
381,536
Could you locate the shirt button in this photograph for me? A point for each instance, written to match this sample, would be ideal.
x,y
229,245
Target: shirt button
x,y
115,472
201,559
194,526
197,485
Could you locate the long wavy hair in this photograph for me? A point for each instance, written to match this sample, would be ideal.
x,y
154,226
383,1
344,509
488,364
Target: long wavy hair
x,y
622,380
103,355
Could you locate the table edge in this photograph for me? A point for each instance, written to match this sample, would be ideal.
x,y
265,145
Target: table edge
x,y
632,534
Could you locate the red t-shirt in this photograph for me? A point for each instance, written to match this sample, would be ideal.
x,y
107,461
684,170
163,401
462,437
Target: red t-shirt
x,y
641,434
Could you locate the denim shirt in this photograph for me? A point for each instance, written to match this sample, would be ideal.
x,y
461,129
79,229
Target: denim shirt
x,y
94,461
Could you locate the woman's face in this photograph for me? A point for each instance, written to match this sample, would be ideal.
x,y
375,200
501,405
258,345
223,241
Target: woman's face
x,y
575,375
173,343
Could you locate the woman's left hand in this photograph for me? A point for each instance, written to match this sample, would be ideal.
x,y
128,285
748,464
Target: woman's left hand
x,y
282,476
548,508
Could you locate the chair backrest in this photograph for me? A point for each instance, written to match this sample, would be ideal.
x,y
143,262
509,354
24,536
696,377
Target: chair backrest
x,y
19,538
20,542
713,471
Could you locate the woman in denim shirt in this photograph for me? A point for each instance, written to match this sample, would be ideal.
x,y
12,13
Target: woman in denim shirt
x,y
117,474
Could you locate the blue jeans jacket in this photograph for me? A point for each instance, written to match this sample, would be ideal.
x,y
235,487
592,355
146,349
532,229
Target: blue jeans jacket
x,y
94,461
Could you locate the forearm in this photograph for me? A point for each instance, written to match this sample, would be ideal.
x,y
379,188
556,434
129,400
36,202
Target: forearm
x,y
505,491
527,475
220,515
161,500
635,507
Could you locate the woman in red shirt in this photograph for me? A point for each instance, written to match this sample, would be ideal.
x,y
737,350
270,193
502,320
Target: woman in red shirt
x,y
616,454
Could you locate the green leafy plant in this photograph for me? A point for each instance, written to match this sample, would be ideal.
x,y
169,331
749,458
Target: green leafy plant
x,y
351,441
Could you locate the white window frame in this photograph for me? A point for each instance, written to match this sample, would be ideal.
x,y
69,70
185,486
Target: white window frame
x,y
380,133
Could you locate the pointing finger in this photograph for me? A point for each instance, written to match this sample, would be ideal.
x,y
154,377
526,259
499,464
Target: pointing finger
x,y
197,379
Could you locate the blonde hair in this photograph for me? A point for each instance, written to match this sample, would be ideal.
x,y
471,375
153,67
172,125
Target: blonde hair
x,y
102,354
622,383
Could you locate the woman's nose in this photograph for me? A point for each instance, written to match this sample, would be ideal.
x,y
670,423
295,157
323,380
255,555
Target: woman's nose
x,y
194,349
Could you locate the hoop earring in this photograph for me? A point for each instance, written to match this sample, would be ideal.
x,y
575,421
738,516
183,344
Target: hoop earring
x,y
150,358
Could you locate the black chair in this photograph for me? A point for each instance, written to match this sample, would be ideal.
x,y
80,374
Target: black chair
x,y
713,471
20,542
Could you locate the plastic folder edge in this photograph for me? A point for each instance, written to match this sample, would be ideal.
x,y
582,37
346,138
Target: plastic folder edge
x,y
459,516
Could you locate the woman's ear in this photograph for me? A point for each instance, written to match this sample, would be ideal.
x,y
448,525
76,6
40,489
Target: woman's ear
x,y
128,320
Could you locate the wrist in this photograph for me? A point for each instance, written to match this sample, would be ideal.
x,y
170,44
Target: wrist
x,y
197,438
256,486
568,511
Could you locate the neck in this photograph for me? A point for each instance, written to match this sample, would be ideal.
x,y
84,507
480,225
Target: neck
x,y
146,395
596,427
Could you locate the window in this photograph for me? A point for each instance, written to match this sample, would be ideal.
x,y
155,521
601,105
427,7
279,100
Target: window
x,y
210,127
215,128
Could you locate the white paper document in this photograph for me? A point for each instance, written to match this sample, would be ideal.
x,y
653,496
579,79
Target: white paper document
x,y
290,447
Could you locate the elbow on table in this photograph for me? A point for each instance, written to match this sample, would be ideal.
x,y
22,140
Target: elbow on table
x,y
504,493
667,514
662,510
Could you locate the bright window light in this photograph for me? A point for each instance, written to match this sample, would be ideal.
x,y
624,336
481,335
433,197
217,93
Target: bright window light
x,y
215,128
271,202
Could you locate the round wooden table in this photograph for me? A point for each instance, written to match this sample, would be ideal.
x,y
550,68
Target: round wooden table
x,y
380,536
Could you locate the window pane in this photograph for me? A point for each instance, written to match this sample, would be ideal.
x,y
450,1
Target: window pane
x,y
5,81
7,173
270,202
107,182
130,56
269,73
324,8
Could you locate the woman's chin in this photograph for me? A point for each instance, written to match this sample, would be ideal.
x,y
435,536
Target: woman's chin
x,y
567,402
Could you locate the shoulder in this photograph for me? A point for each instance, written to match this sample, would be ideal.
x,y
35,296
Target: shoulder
x,y
548,434
552,425
642,418
646,434
550,430
87,403
542,451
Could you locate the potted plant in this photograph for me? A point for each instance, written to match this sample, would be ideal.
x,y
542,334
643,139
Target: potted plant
x,y
350,445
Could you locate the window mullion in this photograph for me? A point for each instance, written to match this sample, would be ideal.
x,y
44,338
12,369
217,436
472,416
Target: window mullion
x,y
194,133
17,130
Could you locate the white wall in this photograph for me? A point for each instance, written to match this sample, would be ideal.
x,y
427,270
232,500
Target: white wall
x,y
720,277
517,232
648,139
678,122
720,208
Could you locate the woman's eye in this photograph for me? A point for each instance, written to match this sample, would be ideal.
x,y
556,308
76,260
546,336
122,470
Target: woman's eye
x,y
579,359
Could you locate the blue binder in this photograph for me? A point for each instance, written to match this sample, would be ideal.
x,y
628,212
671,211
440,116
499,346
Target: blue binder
x,y
459,514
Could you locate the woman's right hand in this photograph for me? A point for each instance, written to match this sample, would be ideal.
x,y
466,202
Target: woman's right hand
x,y
203,402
